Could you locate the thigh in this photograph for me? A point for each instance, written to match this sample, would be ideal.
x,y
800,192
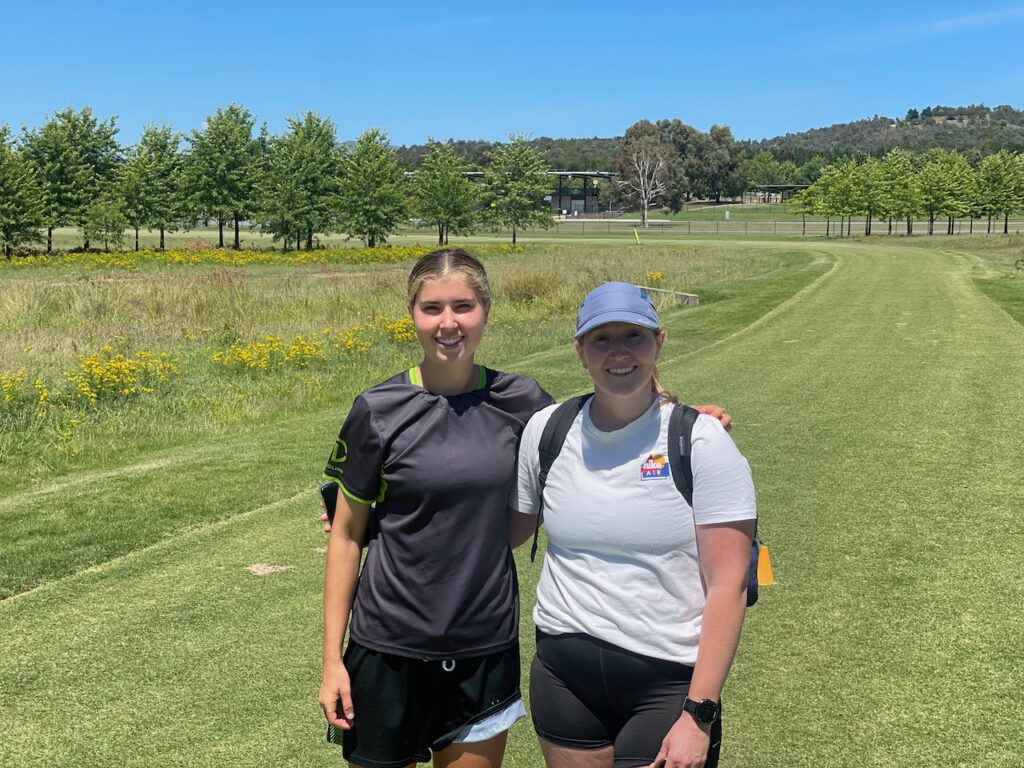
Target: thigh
x,y
477,754
556,756
639,741
562,714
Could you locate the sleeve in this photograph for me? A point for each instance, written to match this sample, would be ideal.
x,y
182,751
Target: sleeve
x,y
723,490
524,495
358,455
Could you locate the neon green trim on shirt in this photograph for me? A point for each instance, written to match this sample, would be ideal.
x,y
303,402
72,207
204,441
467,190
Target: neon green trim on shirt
x,y
481,377
346,491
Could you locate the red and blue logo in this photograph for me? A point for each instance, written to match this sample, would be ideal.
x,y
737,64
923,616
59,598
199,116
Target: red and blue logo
x,y
655,466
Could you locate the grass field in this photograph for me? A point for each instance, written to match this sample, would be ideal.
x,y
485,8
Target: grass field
x,y
877,389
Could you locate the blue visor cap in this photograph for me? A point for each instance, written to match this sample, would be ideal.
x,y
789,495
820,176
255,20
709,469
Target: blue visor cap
x,y
616,303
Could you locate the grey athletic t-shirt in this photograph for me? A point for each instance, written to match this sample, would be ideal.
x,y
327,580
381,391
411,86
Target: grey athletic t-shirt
x,y
439,580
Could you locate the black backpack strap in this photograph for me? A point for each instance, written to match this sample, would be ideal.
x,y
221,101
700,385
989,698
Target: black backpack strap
x,y
551,441
680,425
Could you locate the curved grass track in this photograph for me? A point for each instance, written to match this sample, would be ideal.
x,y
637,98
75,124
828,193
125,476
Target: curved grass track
x,y
883,415
882,412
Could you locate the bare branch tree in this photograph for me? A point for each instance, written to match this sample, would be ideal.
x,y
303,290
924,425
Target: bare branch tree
x,y
646,174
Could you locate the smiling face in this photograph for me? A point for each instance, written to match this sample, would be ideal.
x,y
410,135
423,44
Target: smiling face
x,y
620,357
449,318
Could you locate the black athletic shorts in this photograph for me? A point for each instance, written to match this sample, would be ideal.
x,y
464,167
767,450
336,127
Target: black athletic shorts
x,y
588,694
404,708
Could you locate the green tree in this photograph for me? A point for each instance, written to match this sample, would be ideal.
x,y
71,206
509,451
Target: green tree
x,y
900,198
837,194
720,165
22,203
105,220
997,186
442,194
149,182
222,168
373,197
765,169
941,184
807,202
515,183
869,185
1018,189
685,141
299,187
76,156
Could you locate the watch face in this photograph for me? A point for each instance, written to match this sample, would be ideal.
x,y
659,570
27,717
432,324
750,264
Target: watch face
x,y
706,711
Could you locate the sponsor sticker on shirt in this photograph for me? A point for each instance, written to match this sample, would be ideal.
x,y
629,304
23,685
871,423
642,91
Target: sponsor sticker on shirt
x,y
654,467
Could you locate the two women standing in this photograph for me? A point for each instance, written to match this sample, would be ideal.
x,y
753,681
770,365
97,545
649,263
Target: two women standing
x,y
432,662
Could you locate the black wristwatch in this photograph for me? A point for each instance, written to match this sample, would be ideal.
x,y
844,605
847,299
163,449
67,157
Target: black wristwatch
x,y
705,711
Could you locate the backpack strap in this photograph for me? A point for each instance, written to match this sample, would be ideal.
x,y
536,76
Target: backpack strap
x,y
551,441
680,427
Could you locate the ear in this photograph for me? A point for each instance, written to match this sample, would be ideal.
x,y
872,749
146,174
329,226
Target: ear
x,y
408,308
659,341
487,312
578,346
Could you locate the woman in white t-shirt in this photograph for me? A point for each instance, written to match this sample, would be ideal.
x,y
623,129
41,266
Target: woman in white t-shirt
x,y
642,597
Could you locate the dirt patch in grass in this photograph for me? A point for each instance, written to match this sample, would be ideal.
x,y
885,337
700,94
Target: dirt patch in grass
x,y
265,569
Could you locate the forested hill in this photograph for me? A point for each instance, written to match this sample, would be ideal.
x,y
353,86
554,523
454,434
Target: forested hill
x,y
970,130
564,154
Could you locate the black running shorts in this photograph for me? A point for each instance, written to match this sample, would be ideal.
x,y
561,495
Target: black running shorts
x,y
404,708
588,694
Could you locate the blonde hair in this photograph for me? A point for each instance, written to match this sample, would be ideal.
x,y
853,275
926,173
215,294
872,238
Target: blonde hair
x,y
660,391
445,262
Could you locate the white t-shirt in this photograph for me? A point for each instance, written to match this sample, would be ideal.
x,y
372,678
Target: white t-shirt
x,y
621,562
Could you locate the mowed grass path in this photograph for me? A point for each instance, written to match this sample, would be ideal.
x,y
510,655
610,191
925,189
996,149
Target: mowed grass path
x,y
882,411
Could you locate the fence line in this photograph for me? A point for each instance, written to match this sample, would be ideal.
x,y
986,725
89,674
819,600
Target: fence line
x,y
789,228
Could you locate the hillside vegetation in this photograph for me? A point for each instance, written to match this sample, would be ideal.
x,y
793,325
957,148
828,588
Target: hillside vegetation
x,y
973,129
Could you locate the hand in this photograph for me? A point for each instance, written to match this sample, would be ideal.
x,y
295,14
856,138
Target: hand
x,y
717,412
334,690
323,517
684,746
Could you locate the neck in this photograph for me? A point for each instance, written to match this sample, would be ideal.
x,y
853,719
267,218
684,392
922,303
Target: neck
x,y
611,412
448,379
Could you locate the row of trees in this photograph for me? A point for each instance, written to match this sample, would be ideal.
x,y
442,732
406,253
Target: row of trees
x,y
901,187
71,172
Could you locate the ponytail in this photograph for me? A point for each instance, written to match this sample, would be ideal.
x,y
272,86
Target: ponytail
x,y
660,391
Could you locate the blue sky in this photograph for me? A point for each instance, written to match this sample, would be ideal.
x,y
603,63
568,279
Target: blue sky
x,y
485,70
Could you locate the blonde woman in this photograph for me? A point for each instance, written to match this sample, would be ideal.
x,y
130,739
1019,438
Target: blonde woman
x,y
642,597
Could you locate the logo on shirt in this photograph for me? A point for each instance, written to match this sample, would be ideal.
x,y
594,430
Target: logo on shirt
x,y
340,453
655,466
